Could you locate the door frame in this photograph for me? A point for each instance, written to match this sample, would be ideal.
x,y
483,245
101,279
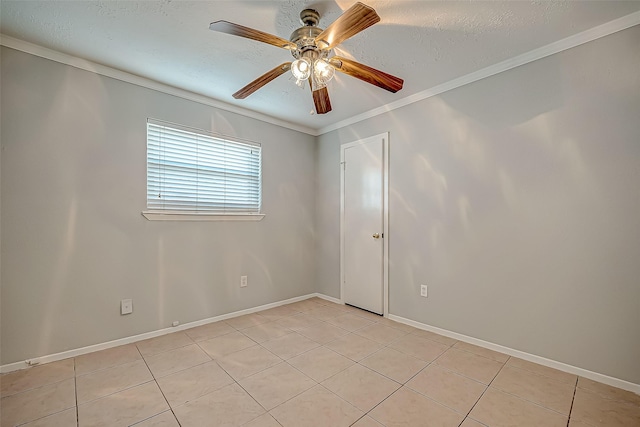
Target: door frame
x,y
385,216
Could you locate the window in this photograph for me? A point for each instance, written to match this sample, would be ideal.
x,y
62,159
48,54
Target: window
x,y
194,173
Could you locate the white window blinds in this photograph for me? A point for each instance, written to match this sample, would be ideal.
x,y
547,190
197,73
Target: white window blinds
x,y
196,172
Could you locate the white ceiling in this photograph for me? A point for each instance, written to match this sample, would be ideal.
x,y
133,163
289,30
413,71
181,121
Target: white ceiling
x,y
426,43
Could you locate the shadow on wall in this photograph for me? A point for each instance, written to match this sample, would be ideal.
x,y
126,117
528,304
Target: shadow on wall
x,y
82,134
533,97
482,165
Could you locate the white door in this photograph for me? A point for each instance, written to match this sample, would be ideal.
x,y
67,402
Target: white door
x,y
363,223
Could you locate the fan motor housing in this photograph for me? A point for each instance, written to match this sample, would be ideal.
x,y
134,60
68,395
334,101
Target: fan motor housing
x,y
305,37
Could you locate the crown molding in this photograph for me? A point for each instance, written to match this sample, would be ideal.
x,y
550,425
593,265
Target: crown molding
x,y
124,76
586,36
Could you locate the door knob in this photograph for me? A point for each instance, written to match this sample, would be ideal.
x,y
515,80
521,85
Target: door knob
x,y
376,235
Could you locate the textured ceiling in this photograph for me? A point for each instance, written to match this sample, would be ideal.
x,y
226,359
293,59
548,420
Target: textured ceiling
x,y
424,42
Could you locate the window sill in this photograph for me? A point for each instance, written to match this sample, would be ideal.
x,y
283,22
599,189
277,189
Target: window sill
x,y
187,216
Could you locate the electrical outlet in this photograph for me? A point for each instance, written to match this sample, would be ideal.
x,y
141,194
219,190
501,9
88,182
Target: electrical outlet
x,y
126,306
175,323
243,281
423,291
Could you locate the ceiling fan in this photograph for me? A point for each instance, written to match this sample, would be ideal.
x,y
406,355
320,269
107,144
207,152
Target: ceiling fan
x,y
312,47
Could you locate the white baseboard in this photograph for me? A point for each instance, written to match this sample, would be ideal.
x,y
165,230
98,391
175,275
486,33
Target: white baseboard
x,y
135,338
615,382
328,298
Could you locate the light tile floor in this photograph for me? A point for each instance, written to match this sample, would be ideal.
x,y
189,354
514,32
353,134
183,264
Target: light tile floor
x,y
311,363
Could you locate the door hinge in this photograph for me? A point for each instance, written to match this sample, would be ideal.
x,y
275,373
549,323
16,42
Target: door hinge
x,y
344,165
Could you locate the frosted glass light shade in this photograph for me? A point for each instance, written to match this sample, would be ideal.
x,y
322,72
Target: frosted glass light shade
x,y
301,68
323,70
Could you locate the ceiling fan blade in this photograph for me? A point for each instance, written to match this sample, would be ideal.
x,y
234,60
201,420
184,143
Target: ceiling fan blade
x,y
357,18
321,100
367,74
250,33
262,80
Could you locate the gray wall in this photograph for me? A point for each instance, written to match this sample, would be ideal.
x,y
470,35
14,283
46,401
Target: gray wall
x,y
74,242
516,199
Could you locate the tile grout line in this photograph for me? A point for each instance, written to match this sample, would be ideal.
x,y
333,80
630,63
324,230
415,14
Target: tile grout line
x,y
356,421
304,352
434,400
455,373
575,389
347,402
290,365
383,346
604,397
50,384
548,378
538,373
531,401
267,411
181,370
115,392
326,348
342,370
46,416
378,404
388,345
164,351
237,381
480,355
284,361
39,386
402,384
485,390
248,394
222,368
104,369
75,390
119,365
157,385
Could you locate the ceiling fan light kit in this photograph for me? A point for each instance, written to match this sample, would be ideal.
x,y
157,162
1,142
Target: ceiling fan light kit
x,y
310,63
318,71
301,69
312,47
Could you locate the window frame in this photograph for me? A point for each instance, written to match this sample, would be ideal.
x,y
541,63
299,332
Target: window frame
x,y
190,215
